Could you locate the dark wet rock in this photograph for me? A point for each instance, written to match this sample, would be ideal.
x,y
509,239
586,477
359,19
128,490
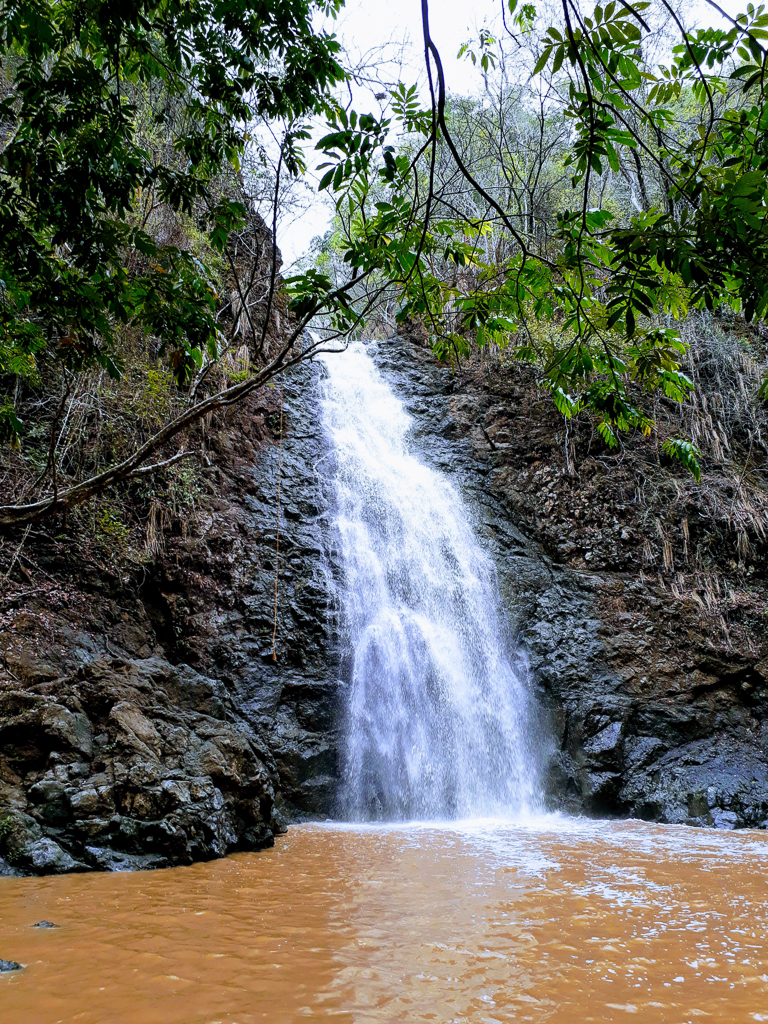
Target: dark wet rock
x,y
9,965
45,924
28,849
6,871
605,746
46,857
725,819
148,725
72,729
103,858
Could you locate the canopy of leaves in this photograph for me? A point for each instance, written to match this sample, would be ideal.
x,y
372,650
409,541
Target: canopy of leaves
x,y
76,262
477,262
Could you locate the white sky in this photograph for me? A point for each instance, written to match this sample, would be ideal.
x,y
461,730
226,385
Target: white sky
x,y
366,24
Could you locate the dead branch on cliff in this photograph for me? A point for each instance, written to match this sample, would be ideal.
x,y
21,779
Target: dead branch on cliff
x,y
290,354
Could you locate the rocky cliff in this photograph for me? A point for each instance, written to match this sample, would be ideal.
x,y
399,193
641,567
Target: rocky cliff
x,y
145,722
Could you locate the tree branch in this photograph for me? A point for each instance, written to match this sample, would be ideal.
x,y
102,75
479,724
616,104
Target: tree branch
x,y
15,515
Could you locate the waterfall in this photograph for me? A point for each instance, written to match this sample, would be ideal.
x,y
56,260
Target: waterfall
x,y
437,719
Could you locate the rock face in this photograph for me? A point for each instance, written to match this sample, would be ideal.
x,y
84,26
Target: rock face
x,y
655,710
143,721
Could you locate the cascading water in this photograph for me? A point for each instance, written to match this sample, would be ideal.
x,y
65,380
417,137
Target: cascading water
x,y
438,721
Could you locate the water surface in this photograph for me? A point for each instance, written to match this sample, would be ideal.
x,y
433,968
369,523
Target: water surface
x,y
554,920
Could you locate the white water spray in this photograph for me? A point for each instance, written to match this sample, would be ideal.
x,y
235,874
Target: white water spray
x,y
438,714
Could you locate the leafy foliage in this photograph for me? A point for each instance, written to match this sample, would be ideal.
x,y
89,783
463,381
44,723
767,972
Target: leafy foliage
x,y
111,114
613,286
686,453
76,264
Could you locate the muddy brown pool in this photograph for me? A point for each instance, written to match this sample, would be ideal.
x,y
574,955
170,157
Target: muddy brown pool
x,y
551,920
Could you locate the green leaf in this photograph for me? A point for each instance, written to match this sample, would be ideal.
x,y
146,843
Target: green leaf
x,y
542,61
686,453
607,433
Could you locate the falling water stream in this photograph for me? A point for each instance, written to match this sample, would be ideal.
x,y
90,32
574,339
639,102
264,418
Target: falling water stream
x,y
447,895
438,721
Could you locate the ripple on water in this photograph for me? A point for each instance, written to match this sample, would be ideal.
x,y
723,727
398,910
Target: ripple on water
x,y
542,919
